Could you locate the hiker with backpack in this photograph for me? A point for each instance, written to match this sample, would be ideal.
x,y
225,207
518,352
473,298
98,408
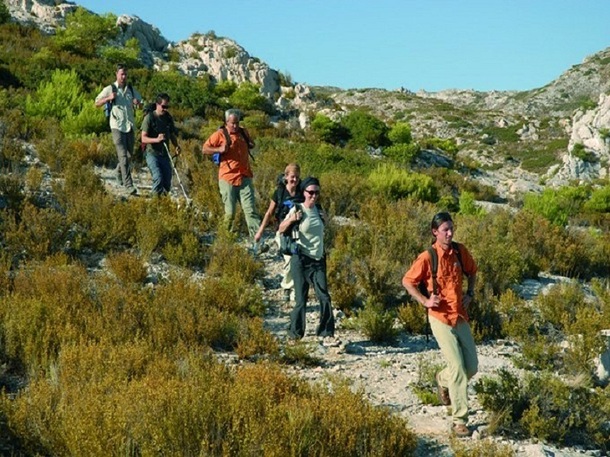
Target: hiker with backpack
x,y
441,269
158,129
308,263
232,143
119,100
285,195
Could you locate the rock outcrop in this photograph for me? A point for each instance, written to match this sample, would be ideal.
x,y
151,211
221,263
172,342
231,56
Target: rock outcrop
x,y
224,60
591,133
152,43
47,15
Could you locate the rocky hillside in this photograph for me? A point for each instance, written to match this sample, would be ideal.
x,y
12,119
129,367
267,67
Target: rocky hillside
x,y
516,141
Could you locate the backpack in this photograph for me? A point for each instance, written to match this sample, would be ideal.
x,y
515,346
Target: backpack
x,y
423,289
285,200
217,156
108,105
148,109
289,238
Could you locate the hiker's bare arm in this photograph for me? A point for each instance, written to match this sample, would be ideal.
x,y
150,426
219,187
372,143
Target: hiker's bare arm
x,y
150,140
266,218
468,297
103,100
208,149
291,218
431,302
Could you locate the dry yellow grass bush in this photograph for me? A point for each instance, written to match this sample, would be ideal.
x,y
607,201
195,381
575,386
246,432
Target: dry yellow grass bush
x,y
127,268
127,400
231,261
35,233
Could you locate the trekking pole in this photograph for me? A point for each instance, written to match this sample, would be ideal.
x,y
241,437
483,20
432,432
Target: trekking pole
x,y
188,200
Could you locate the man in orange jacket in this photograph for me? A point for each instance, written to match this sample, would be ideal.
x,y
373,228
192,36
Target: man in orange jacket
x,y
233,143
446,307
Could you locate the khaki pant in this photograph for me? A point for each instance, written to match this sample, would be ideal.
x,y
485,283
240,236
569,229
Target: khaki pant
x,y
124,143
460,352
245,195
287,281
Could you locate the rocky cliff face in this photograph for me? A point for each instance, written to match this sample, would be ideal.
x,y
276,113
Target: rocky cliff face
x,y
224,60
47,15
591,130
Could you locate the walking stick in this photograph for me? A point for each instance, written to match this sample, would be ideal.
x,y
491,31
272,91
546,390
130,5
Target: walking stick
x,y
188,200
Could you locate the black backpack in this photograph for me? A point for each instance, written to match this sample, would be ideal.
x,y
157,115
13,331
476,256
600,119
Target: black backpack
x,y
423,289
148,109
285,200
108,105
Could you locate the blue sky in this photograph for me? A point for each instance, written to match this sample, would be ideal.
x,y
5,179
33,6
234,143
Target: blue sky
x,y
415,44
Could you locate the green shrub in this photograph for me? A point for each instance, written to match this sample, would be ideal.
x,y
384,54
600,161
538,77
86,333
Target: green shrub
x,y
5,15
365,262
400,133
499,258
468,206
86,32
329,131
394,183
444,144
11,188
557,205
225,88
194,95
402,153
128,55
300,353
248,97
599,200
365,129
579,151
544,407
377,323
127,268
425,385
412,318
346,191
46,102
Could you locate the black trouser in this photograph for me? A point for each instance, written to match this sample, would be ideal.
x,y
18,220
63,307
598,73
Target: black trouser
x,y
307,271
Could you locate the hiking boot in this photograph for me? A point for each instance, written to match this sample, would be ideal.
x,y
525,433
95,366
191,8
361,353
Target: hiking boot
x,y
460,430
442,392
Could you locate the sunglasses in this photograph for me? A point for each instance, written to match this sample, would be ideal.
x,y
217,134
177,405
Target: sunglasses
x,y
313,192
165,106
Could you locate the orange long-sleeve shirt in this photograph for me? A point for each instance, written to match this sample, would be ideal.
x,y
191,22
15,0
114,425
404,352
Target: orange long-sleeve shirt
x,y
235,163
449,278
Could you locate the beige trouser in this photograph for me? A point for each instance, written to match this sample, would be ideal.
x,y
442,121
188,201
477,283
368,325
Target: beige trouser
x,y
460,352
287,281
243,194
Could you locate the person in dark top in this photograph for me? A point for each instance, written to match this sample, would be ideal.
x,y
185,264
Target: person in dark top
x,y
284,196
158,130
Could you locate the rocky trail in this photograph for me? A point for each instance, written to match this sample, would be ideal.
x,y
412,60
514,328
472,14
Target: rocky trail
x,y
386,374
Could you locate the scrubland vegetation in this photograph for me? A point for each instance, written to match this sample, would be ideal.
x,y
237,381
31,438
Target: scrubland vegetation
x,y
119,361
